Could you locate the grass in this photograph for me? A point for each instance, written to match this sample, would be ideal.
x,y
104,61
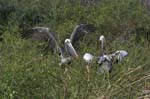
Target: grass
x,y
26,73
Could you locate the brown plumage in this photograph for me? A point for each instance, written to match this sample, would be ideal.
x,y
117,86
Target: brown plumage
x,y
67,51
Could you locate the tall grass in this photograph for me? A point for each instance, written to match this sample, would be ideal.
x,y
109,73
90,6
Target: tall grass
x,y
27,73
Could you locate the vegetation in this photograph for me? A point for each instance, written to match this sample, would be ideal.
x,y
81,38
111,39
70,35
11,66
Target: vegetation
x,y
27,73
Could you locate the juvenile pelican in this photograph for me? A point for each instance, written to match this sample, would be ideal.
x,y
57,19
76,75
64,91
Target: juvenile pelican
x,y
106,61
67,52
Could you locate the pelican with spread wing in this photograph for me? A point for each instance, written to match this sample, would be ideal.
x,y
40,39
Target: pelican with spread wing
x,y
106,61
67,52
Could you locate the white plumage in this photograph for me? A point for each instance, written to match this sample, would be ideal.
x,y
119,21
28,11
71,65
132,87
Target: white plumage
x,y
88,57
102,38
121,54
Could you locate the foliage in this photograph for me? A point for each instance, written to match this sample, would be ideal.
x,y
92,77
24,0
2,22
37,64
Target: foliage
x,y
26,73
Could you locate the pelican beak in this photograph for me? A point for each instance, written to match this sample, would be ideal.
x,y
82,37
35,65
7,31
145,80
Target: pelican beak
x,y
70,49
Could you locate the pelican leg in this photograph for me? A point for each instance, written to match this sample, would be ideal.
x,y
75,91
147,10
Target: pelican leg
x,y
87,68
88,71
88,79
66,70
65,82
66,73
104,77
109,85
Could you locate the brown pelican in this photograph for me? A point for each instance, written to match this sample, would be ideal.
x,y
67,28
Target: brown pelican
x,y
71,53
105,61
67,52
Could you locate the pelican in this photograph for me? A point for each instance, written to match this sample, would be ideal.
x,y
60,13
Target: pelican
x,y
67,52
71,53
106,61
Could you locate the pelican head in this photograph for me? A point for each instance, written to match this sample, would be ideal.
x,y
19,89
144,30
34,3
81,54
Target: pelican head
x,y
88,57
102,38
67,40
103,41
70,49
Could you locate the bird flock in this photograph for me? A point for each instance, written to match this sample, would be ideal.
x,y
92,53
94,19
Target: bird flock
x,y
66,50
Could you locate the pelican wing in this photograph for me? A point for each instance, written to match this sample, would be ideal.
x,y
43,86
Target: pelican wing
x,y
80,31
120,54
123,53
42,34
